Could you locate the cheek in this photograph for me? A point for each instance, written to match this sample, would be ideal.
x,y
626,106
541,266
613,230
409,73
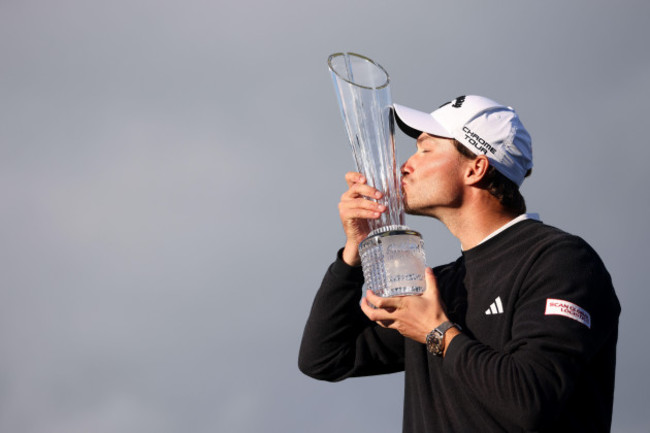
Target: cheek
x,y
441,177
419,163
429,169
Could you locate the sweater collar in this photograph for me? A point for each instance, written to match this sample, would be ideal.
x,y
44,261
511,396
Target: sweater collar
x,y
522,217
505,233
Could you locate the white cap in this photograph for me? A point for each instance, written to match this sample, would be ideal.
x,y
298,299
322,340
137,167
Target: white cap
x,y
483,126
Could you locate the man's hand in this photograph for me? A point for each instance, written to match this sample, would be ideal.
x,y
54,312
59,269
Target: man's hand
x,y
412,316
355,209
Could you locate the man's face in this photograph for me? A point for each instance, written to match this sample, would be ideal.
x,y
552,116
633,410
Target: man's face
x,y
432,178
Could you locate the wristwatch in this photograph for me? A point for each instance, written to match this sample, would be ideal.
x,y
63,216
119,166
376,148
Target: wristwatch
x,y
436,338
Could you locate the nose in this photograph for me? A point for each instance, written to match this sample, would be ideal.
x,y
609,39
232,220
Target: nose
x,y
406,168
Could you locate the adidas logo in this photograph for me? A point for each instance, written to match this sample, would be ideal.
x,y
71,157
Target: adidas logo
x,y
495,308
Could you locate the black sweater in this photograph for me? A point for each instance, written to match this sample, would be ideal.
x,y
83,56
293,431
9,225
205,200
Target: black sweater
x,y
538,347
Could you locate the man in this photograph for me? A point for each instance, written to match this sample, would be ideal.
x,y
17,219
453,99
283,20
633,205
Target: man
x,y
519,334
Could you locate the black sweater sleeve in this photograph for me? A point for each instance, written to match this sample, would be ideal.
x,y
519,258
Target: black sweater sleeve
x,y
552,364
339,341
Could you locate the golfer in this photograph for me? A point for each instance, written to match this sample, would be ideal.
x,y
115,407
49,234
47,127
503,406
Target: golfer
x,y
517,335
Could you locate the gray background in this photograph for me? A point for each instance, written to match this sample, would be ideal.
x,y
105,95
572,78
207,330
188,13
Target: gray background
x,y
169,180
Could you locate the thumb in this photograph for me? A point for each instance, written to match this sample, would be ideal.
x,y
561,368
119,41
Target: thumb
x,y
431,285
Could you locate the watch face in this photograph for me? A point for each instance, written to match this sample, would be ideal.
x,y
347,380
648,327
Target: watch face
x,y
435,337
434,342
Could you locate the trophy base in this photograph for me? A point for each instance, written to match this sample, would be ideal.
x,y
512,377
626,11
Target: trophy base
x,y
393,262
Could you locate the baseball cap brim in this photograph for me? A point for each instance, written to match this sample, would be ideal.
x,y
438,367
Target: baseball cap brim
x,y
413,122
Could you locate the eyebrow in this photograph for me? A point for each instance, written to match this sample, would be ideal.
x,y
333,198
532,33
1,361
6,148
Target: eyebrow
x,y
420,140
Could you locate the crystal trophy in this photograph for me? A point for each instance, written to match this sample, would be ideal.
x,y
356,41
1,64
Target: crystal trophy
x,y
392,256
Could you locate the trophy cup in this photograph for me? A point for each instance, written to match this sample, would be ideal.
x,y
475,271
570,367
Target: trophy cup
x,y
392,256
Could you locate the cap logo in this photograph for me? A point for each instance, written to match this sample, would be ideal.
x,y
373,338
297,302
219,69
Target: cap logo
x,y
458,102
475,140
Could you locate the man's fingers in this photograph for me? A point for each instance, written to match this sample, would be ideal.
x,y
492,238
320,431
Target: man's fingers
x,y
361,190
353,177
357,187
355,202
368,309
360,208
379,309
373,312
373,299
387,304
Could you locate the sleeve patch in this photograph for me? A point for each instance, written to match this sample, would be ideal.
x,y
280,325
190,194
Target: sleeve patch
x,y
558,307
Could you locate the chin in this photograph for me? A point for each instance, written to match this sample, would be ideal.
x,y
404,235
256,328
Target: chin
x,y
412,210
407,208
420,210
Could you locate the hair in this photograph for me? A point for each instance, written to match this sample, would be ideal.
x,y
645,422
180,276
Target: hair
x,y
499,186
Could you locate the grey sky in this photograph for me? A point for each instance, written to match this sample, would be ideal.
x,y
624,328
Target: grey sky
x,y
169,174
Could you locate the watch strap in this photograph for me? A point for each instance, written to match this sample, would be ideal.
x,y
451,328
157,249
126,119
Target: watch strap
x,y
436,337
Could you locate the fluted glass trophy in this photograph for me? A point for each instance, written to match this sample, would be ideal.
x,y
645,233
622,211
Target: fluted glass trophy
x,y
392,255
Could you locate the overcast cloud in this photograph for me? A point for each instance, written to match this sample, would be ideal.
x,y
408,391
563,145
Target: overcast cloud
x,y
169,175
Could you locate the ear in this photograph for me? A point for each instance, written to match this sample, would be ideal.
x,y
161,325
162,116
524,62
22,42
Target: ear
x,y
476,169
